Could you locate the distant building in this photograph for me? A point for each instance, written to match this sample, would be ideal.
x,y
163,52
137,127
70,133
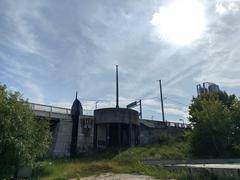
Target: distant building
x,y
207,87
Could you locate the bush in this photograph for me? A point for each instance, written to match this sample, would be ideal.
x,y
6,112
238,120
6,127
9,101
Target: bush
x,y
22,138
164,138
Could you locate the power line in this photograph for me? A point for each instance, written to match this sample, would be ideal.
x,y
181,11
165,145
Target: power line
x,y
127,100
149,98
175,101
107,100
84,99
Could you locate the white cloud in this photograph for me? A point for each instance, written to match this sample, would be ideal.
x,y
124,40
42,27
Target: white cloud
x,y
20,16
229,6
48,50
35,90
220,8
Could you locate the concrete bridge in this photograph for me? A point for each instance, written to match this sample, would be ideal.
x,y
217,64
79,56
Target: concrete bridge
x,y
61,128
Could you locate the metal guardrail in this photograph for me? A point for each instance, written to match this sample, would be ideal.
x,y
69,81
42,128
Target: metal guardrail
x,y
160,124
180,125
55,109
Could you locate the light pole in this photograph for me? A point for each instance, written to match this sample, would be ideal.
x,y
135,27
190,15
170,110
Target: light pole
x,y
140,106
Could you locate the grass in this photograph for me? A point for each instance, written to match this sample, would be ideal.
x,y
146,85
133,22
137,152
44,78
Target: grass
x,y
119,161
112,160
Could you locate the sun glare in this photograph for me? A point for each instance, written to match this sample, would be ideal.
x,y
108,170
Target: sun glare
x,y
180,22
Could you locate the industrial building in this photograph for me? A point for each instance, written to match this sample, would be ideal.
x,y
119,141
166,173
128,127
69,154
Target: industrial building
x,y
207,87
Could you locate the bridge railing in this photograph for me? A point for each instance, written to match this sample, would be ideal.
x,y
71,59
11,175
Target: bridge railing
x,y
180,125
160,124
61,110
55,109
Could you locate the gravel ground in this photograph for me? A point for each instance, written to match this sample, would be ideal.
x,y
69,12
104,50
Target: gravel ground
x,y
110,176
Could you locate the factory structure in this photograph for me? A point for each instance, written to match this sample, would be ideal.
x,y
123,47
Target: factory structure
x,y
74,132
207,87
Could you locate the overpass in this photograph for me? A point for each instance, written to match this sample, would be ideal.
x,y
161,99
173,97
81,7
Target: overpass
x,y
49,111
61,128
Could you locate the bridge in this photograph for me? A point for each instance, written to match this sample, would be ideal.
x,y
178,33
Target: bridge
x,y
64,113
61,128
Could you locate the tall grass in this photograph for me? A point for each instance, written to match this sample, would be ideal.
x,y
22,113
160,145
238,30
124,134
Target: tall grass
x,y
121,161
112,160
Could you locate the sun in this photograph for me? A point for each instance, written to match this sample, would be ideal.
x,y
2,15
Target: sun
x,y
181,22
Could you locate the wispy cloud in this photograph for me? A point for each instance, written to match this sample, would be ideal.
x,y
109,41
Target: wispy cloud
x,y
19,18
50,49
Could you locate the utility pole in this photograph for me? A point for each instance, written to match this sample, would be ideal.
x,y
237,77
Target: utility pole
x,y
140,105
160,86
117,105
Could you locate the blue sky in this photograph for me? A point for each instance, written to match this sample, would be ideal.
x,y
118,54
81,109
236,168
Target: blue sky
x,y
50,49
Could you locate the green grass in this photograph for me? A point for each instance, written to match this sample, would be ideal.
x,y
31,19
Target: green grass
x,y
119,161
112,160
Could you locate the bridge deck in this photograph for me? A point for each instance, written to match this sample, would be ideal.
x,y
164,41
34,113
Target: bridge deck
x,y
64,113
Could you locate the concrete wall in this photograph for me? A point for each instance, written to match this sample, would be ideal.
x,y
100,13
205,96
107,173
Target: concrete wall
x,y
101,136
85,134
116,115
63,139
62,133
152,135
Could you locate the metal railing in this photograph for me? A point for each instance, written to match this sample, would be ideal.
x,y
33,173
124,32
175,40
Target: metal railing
x,y
160,124
55,109
179,125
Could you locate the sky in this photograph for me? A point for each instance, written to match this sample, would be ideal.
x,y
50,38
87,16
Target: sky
x,y
51,49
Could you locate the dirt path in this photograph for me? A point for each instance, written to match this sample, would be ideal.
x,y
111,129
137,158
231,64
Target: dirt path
x,y
110,176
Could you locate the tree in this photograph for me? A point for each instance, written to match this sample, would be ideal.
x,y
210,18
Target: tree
x,y
212,115
22,137
235,117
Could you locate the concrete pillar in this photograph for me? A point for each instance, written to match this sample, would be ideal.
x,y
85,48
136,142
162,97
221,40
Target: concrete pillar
x,y
95,135
119,134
